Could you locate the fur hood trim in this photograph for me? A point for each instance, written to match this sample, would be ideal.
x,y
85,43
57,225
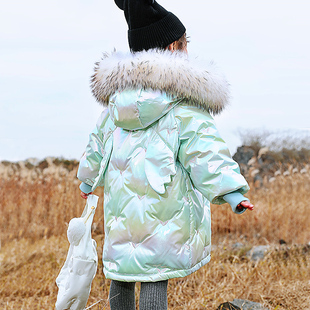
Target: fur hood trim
x,y
172,73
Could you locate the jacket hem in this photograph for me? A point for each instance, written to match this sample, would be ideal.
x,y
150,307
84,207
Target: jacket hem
x,y
155,277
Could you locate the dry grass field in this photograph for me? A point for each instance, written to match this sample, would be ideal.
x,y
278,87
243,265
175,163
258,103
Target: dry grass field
x,y
33,222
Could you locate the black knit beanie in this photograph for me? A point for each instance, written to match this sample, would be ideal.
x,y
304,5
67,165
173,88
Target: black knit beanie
x,y
150,25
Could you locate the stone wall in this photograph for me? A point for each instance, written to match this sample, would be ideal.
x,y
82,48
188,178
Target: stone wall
x,y
260,166
263,166
32,169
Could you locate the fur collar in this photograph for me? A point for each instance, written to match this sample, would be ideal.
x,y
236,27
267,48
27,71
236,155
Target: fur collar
x,y
172,73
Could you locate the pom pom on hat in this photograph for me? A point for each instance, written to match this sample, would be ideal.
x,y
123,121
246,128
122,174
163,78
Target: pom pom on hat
x,y
76,230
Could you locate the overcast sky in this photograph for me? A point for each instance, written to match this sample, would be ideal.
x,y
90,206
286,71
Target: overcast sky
x,y
48,48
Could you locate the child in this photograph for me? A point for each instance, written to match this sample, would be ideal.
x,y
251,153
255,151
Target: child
x,y
159,156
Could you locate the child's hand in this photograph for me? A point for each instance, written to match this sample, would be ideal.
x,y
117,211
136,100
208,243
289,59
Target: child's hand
x,y
245,204
84,195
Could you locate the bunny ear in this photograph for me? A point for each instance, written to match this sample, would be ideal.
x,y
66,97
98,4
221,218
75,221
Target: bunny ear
x,y
120,4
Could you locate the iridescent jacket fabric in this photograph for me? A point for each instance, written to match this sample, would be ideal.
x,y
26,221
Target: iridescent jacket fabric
x,y
161,161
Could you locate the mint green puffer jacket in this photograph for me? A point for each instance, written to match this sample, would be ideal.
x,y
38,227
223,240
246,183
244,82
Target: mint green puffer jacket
x,y
161,161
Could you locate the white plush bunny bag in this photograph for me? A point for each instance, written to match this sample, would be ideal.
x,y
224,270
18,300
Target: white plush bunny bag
x,y
75,278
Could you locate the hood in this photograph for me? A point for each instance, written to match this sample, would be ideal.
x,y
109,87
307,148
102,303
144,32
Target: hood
x,y
138,109
174,74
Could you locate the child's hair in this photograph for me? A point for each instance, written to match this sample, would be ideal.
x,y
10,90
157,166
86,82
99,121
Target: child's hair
x,y
182,42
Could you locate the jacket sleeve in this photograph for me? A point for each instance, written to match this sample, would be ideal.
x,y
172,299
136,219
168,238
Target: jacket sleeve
x,y
92,160
206,158
234,199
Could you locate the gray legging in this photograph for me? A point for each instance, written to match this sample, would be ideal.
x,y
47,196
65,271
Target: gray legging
x,y
153,295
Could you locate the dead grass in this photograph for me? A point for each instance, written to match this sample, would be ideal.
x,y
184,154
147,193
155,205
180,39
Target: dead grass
x,y
33,221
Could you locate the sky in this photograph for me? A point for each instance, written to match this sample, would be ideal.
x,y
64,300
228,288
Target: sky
x,y
48,49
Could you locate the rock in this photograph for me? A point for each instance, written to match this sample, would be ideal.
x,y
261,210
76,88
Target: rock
x,y
241,304
243,154
228,306
247,305
257,252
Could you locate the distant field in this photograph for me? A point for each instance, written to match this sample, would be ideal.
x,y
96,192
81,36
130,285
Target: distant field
x,y
34,214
